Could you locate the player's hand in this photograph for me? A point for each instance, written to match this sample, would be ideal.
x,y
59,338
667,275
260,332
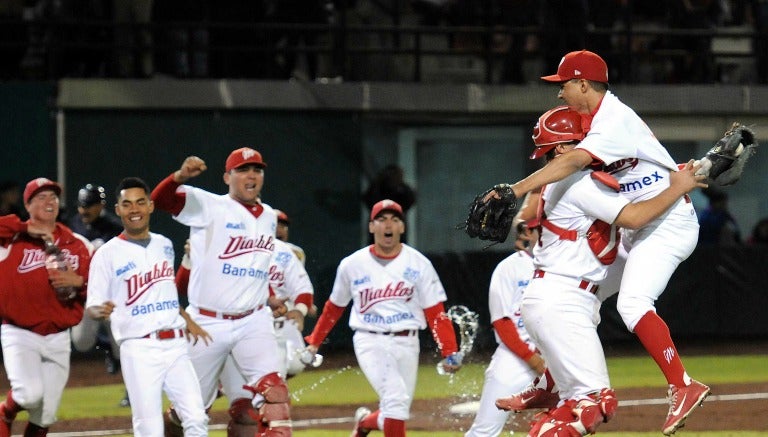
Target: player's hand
x,y
452,363
277,305
536,362
65,278
195,333
686,179
190,168
101,312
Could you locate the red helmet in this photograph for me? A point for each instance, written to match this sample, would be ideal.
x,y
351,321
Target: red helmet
x,y
558,125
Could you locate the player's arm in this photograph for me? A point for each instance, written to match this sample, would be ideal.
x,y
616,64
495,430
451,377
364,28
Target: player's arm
x,y
327,320
637,215
508,334
555,170
165,195
194,331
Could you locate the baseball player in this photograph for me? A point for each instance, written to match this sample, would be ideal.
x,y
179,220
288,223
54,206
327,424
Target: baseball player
x,y
579,240
95,223
132,285
232,239
618,140
395,292
36,317
515,362
283,222
292,287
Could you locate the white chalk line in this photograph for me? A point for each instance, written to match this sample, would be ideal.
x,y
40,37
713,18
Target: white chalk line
x,y
461,409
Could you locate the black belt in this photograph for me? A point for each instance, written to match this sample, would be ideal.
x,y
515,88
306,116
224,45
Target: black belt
x,y
405,333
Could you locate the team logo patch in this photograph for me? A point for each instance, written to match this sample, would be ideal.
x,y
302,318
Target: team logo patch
x,y
169,253
411,275
235,226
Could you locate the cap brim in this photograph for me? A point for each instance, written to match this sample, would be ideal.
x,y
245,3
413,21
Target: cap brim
x,y
553,78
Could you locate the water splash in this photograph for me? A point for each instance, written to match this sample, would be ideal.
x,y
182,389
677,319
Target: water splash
x,y
296,394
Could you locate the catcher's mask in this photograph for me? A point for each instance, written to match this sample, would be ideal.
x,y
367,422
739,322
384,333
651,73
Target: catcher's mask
x,y
558,125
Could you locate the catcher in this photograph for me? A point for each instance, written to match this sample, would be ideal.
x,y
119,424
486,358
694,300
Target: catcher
x,y
620,142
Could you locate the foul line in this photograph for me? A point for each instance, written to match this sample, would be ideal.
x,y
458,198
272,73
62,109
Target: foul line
x,y
465,408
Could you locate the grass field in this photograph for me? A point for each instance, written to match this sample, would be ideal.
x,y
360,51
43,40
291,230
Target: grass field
x,y
332,387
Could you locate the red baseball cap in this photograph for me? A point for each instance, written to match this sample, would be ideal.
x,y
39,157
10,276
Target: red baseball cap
x,y
243,156
581,64
40,184
386,205
282,217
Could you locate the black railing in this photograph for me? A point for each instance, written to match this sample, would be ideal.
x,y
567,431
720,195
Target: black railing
x,y
49,50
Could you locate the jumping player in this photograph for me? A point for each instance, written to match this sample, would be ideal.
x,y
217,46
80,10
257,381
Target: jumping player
x,y
395,292
36,322
231,244
516,361
132,285
578,218
618,140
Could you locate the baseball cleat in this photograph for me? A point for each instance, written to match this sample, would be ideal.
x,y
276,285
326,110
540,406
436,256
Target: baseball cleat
x,y
360,414
532,397
682,402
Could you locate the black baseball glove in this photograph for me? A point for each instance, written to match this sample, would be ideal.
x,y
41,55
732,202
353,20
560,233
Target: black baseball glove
x,y
492,219
724,163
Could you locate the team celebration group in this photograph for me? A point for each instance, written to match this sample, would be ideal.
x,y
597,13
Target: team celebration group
x,y
609,206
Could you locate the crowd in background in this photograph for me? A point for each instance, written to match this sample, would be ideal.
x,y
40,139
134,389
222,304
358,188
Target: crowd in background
x,y
271,39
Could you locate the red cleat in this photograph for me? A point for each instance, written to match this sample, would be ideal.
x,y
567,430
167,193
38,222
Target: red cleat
x,y
682,402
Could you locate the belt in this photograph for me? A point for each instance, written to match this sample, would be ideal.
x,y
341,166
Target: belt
x,y
405,333
581,283
165,334
227,316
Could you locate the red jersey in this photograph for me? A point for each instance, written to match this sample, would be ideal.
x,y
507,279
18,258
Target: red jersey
x,y
27,299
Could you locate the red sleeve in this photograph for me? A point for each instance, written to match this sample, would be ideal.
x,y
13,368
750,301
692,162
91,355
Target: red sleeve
x,y
328,319
166,198
442,329
182,280
10,225
507,331
306,299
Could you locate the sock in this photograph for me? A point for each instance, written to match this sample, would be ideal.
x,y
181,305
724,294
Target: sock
x,y
33,430
654,335
394,427
370,421
11,407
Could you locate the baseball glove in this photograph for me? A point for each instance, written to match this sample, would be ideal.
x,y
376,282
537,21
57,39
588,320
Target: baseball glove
x,y
724,163
492,219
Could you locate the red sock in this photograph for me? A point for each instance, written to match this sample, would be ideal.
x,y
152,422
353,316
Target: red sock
x,y
33,430
11,407
654,335
394,427
370,421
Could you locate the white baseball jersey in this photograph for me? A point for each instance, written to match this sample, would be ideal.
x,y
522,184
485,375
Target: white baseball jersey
x,y
617,132
506,373
389,297
287,275
574,204
140,281
232,250
505,293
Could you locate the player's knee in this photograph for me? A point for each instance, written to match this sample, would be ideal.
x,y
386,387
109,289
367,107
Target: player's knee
x,y
28,397
275,411
632,308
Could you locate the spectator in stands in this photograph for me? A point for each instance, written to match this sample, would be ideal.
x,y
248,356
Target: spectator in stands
x,y
184,37
564,26
10,199
133,37
716,224
517,14
696,65
759,233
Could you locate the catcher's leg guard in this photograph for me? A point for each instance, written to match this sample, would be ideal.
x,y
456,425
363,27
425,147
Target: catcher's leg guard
x,y
173,427
244,420
33,430
608,403
275,411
